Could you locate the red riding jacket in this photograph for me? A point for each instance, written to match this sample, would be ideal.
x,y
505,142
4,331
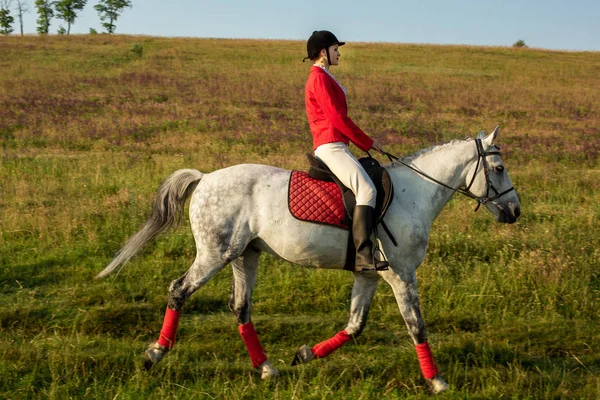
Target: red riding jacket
x,y
328,114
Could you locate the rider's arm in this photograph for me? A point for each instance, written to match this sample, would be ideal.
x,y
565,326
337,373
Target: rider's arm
x,y
335,110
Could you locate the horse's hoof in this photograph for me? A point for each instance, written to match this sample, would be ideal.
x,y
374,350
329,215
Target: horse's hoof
x,y
148,364
303,355
437,385
154,354
268,371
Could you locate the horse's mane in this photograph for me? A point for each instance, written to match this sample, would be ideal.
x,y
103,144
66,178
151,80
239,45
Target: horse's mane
x,y
432,149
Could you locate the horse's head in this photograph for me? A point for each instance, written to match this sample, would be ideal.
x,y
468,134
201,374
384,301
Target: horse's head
x,y
489,182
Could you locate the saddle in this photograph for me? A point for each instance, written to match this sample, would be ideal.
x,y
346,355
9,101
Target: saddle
x,y
318,196
380,177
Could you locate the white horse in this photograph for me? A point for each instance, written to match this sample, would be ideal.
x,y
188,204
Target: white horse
x,y
238,212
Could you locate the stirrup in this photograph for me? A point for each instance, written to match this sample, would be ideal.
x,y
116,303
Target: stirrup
x,y
379,266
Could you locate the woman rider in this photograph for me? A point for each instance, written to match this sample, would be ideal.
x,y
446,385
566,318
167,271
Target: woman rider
x,y
332,131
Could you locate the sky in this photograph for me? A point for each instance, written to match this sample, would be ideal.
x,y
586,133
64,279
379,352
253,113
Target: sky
x,y
549,24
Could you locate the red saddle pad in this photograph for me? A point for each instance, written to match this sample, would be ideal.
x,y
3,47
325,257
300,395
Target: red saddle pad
x,y
317,201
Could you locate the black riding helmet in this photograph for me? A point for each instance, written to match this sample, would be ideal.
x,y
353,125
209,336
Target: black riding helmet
x,y
318,41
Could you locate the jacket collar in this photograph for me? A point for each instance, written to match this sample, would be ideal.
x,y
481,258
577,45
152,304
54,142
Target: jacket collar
x,y
318,69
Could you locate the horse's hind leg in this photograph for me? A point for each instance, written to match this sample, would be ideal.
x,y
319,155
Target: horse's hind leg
x,y
202,270
365,285
244,278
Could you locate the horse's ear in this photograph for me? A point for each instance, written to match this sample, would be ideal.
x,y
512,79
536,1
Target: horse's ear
x,y
480,135
490,140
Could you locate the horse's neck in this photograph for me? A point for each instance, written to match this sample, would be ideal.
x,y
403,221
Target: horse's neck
x,y
448,165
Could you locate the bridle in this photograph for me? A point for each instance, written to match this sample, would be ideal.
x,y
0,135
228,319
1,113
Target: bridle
x,y
481,158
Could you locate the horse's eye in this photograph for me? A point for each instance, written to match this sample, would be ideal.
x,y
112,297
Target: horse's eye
x,y
499,169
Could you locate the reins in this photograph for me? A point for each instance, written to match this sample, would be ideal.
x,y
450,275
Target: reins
x,y
481,157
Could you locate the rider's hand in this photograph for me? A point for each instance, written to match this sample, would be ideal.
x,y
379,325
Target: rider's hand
x,y
377,147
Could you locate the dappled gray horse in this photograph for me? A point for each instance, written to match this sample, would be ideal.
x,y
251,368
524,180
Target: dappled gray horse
x,y
238,212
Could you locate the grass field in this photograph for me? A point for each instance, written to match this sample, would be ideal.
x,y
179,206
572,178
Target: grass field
x,y
90,125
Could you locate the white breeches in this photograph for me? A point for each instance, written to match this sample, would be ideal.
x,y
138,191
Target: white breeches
x,y
348,170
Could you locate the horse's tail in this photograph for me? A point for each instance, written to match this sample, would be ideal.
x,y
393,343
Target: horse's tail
x,y
167,212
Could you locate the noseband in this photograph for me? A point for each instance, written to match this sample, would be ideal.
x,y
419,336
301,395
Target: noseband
x,y
481,158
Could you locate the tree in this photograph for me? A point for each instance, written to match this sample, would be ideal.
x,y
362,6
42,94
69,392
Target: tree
x,y
67,11
6,20
22,8
45,12
519,43
110,10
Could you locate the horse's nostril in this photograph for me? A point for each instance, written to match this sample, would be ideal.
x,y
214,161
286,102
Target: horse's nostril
x,y
517,212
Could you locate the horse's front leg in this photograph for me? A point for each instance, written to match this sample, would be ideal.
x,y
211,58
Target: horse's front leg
x,y
365,285
405,291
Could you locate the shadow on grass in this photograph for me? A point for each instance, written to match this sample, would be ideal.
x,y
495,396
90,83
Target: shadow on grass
x,y
47,271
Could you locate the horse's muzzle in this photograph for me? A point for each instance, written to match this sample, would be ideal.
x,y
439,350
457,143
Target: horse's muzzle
x,y
511,215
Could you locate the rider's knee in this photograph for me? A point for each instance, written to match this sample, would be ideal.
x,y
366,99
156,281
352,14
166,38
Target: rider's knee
x,y
367,196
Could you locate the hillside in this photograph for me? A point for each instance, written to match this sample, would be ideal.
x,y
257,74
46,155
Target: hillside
x,y
90,125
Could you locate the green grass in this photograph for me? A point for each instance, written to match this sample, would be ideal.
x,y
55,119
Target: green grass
x,y
89,128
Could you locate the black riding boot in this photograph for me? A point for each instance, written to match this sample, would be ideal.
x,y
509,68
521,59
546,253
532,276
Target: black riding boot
x,y
362,228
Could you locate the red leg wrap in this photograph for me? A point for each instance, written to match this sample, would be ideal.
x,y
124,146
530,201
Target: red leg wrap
x,y
428,366
328,346
255,350
169,329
